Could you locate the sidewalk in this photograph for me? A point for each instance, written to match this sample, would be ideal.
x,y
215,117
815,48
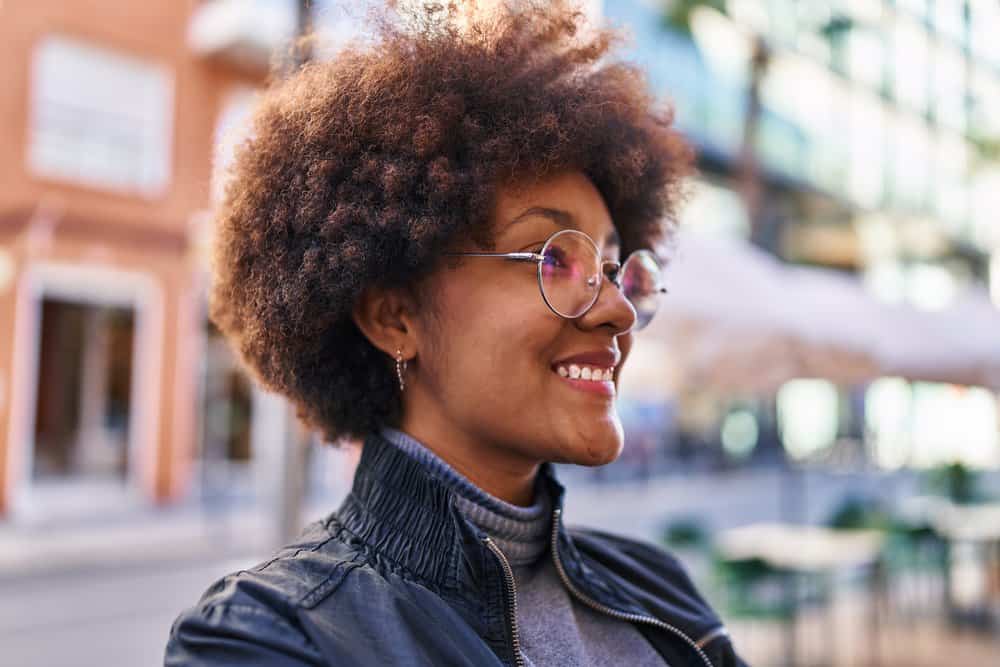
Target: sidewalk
x,y
143,537
195,531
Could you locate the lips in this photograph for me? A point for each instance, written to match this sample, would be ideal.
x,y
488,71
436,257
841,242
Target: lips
x,y
592,371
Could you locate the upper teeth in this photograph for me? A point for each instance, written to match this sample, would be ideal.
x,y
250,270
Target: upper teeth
x,y
586,373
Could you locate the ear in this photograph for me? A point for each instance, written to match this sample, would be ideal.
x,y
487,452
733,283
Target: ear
x,y
385,317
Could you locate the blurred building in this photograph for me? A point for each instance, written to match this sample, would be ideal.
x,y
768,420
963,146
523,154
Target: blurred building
x,y
860,136
108,120
874,123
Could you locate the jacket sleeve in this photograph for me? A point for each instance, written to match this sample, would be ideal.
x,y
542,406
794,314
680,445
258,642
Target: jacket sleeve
x,y
237,634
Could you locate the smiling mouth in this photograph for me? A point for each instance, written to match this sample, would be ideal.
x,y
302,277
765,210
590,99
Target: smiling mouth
x,y
594,380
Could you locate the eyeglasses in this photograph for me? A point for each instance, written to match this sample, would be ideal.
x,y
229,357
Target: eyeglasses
x,y
570,271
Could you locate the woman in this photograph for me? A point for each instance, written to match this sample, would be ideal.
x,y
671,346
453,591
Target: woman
x,y
437,242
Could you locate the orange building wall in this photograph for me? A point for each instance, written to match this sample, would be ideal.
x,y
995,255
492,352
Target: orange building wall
x,y
91,225
6,342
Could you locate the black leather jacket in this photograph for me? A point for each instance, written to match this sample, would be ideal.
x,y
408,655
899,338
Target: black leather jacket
x,y
397,577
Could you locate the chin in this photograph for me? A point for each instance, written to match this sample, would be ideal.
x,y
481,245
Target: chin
x,y
598,451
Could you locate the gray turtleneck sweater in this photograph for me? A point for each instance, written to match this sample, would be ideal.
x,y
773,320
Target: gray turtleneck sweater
x,y
554,628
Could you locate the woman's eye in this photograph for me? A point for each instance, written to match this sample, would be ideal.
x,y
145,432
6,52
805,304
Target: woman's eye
x,y
555,257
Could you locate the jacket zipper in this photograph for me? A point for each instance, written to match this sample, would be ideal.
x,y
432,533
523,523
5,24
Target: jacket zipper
x,y
604,609
508,574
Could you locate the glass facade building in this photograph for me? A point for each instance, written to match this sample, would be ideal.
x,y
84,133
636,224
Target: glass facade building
x,y
892,108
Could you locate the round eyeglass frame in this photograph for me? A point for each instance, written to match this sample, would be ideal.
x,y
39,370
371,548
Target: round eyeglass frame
x,y
608,268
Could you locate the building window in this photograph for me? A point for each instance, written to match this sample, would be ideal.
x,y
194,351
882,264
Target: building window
x,y
984,15
910,64
917,8
949,19
865,57
949,87
951,177
984,93
231,130
912,163
100,118
867,149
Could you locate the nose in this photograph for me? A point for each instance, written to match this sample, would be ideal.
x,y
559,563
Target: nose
x,y
611,312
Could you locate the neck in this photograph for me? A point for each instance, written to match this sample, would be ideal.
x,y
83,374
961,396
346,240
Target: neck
x,y
498,471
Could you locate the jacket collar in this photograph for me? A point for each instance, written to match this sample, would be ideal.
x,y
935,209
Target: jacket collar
x,y
407,519
401,509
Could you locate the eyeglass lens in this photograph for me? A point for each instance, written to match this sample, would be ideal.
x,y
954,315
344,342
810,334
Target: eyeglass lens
x,y
640,280
570,277
570,273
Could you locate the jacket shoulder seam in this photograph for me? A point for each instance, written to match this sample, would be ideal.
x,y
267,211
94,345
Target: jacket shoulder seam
x,y
287,557
330,583
409,574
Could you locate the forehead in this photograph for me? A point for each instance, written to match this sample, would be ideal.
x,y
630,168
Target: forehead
x,y
569,200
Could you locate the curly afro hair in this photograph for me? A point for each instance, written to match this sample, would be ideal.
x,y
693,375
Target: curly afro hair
x,y
362,168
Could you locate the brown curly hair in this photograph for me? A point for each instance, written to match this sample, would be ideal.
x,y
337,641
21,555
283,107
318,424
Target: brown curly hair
x,y
361,169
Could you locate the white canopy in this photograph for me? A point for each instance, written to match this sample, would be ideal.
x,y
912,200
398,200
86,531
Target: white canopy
x,y
737,318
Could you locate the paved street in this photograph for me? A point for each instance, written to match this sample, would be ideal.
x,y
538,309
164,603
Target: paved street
x,y
845,640
107,618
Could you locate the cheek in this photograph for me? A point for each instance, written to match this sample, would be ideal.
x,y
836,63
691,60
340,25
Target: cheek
x,y
495,336
512,343
501,310
494,347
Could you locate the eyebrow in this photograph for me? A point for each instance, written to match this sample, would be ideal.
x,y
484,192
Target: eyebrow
x,y
563,219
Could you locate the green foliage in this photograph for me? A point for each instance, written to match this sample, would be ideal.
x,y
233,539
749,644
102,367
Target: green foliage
x,y
987,147
752,588
956,481
836,27
686,532
676,14
856,513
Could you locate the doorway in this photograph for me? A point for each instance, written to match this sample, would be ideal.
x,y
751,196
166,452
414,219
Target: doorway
x,y
83,401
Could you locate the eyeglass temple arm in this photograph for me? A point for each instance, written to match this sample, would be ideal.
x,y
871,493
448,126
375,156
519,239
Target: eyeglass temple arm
x,y
516,256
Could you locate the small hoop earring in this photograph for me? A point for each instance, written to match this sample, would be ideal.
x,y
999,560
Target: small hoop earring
x,y
400,369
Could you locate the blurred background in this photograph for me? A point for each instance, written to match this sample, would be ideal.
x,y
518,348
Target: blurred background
x,y
812,421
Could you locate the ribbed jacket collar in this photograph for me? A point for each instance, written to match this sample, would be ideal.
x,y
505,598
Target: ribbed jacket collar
x,y
400,508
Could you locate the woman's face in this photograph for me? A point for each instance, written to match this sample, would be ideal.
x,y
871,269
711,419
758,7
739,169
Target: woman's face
x,y
487,367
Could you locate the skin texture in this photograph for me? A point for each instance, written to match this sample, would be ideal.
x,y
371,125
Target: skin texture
x,y
481,390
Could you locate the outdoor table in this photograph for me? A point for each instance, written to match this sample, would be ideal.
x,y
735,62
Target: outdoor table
x,y
799,549
978,525
977,522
